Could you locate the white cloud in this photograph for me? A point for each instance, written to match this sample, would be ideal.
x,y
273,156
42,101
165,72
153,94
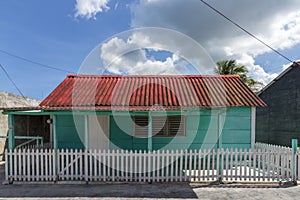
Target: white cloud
x,y
128,56
276,22
90,8
285,66
116,6
155,67
282,33
255,71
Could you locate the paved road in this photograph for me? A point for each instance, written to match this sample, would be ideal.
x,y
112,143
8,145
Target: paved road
x,y
147,191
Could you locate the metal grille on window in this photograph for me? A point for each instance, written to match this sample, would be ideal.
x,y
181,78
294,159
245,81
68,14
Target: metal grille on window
x,y
159,126
162,126
141,126
176,125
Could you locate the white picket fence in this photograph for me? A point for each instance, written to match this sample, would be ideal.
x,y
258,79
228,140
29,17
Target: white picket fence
x,y
30,165
256,165
271,147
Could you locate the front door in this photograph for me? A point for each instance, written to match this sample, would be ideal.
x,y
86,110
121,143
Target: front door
x,y
98,132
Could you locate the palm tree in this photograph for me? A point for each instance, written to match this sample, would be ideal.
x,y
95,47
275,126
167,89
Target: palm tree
x,y
230,67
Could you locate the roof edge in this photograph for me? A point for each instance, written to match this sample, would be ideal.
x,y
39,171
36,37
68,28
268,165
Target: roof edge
x,y
117,108
295,64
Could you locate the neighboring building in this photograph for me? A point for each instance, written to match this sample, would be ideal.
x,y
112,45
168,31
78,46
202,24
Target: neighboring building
x,y
11,100
279,122
148,112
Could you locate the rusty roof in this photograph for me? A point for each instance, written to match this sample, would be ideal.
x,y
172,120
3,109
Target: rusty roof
x,y
149,92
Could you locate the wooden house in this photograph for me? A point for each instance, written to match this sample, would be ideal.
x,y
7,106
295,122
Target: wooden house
x,y
147,112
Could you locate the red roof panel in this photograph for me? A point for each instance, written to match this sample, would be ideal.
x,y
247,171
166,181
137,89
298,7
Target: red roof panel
x,y
109,92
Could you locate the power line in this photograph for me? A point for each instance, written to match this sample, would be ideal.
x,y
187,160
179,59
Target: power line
x,y
34,62
243,29
12,81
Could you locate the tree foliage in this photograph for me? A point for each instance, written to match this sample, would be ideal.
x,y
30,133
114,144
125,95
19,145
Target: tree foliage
x,y
231,67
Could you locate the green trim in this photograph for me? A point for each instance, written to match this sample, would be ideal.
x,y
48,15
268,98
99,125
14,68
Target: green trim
x,y
119,113
110,112
25,113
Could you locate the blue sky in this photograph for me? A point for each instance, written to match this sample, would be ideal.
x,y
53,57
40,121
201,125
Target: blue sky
x,y
62,33
48,32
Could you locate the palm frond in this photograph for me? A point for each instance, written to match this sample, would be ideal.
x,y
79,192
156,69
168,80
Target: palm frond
x,y
231,67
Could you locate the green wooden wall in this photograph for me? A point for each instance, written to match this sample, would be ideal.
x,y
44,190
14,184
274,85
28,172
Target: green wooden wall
x,y
236,132
237,128
69,135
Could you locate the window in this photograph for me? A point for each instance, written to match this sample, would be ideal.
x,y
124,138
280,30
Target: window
x,y
159,126
176,125
141,126
162,126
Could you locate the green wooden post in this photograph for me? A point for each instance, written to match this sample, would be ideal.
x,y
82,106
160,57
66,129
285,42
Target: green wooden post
x,y
54,133
220,127
294,149
149,132
86,131
11,141
11,134
150,139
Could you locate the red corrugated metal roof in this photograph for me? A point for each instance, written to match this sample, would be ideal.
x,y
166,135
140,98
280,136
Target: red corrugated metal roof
x,y
142,92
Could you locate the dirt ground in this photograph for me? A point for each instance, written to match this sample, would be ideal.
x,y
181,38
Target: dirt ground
x,y
146,191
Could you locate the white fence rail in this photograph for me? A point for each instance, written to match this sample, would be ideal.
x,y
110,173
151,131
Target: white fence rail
x,y
271,147
35,146
255,165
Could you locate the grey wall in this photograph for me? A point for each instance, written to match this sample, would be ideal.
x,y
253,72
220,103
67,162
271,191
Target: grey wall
x,y
279,122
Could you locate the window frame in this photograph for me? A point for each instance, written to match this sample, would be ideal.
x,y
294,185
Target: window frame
x,y
167,135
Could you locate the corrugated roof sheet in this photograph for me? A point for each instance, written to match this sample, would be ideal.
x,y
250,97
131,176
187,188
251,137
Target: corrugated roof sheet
x,y
140,92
